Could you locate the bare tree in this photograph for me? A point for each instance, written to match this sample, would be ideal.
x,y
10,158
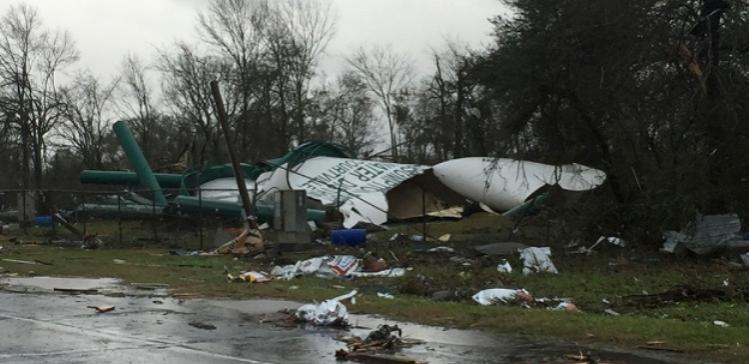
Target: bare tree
x,y
451,89
88,118
185,76
233,29
385,73
137,101
346,114
31,58
273,47
298,33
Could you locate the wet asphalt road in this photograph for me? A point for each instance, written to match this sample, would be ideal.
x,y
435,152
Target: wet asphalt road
x,y
55,328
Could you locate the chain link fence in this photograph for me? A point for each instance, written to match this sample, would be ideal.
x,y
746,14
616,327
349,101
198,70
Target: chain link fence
x,y
119,218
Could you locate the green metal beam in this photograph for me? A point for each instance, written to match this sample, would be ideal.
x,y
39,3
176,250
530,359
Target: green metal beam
x,y
88,176
138,161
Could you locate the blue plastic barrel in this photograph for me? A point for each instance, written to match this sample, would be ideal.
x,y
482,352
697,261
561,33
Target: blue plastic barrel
x,y
349,237
43,221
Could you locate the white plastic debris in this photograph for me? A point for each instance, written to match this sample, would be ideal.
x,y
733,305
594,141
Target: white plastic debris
x,y
493,296
386,296
611,240
302,267
312,225
537,260
387,273
611,312
565,306
721,323
504,267
441,249
674,242
331,267
326,313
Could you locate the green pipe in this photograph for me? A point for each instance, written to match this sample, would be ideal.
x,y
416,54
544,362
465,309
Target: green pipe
x,y
135,155
124,211
167,180
193,205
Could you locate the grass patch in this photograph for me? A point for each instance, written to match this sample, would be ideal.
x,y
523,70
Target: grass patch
x,y
587,279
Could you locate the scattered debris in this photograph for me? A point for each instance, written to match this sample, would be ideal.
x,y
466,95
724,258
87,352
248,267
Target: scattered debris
x,y
566,306
462,261
441,249
504,267
444,238
338,266
250,277
327,313
615,241
388,273
674,242
383,338
302,267
537,260
386,296
91,241
611,312
201,325
721,323
102,309
373,264
375,358
580,358
119,261
745,259
403,237
343,265
493,296
707,235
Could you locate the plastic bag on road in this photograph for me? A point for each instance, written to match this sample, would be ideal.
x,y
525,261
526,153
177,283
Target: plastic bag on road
x,y
327,313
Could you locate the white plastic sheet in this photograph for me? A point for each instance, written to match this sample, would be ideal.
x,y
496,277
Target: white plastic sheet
x,y
326,313
387,273
537,260
504,267
493,296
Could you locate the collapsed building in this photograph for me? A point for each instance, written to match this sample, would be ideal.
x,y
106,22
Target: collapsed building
x,y
362,191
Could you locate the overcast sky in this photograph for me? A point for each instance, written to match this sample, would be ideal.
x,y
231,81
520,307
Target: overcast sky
x,y
106,30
